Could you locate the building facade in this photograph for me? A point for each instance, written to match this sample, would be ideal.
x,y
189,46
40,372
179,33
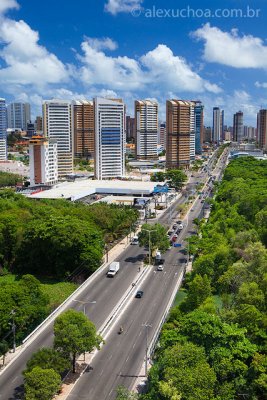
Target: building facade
x,y
43,161
199,126
57,125
262,129
179,127
38,125
217,125
146,128
83,128
3,130
18,115
110,138
238,127
162,135
130,129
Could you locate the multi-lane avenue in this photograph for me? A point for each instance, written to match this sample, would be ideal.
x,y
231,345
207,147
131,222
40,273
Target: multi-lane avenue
x,y
120,359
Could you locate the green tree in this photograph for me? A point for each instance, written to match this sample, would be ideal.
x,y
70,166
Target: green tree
x,y
47,358
41,384
176,178
3,350
75,334
157,237
158,177
124,394
199,291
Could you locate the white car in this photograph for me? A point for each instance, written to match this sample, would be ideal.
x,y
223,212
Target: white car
x,y
180,227
135,240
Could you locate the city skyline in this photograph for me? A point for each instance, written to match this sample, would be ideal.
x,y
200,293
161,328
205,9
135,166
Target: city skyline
x,y
56,57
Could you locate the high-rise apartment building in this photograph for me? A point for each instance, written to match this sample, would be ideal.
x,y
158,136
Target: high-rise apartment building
x,y
199,126
146,118
162,135
207,134
43,161
57,125
3,132
83,128
180,125
238,129
130,129
262,129
222,128
30,129
18,115
217,125
38,125
109,138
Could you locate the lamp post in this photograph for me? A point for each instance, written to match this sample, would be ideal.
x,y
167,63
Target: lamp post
x,y
13,326
84,303
149,241
147,326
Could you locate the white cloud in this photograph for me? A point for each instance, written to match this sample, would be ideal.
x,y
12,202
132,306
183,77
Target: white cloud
x,y
157,69
117,6
27,62
228,48
102,44
6,5
261,85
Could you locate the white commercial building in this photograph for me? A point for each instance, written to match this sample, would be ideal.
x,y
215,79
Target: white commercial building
x,y
18,115
3,130
146,125
109,138
57,125
43,161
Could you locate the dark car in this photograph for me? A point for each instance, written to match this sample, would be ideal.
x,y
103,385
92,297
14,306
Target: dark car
x,y
139,294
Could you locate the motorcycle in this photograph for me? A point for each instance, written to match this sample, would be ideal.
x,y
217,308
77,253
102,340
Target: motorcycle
x,y
121,330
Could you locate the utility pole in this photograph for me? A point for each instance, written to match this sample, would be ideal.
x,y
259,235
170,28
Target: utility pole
x,y
147,326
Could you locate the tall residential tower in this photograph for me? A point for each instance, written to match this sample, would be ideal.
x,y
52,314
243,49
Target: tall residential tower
x,y
146,117
83,128
57,126
180,127
18,115
238,128
3,132
109,138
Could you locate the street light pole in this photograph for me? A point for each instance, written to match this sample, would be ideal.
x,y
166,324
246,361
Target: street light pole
x,y
146,353
84,304
13,312
149,242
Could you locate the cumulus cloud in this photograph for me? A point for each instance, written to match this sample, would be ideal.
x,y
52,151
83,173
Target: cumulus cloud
x,y
261,85
122,6
232,49
158,68
27,62
102,44
6,5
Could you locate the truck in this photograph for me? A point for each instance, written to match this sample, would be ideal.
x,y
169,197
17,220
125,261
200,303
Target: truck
x,y
113,269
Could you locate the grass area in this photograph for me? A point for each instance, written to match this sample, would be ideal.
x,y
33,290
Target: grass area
x,y
181,294
56,291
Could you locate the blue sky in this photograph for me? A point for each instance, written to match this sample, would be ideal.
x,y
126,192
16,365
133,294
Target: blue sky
x,y
136,49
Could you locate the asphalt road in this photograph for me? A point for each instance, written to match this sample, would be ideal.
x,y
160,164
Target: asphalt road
x,y
107,293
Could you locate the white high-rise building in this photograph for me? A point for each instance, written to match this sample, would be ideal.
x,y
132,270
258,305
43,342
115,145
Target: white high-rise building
x,y
109,138
146,117
192,132
43,161
18,115
57,125
217,123
3,132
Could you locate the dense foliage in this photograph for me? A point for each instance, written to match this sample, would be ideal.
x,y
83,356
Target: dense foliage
x,y
175,178
9,179
213,346
24,303
53,238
